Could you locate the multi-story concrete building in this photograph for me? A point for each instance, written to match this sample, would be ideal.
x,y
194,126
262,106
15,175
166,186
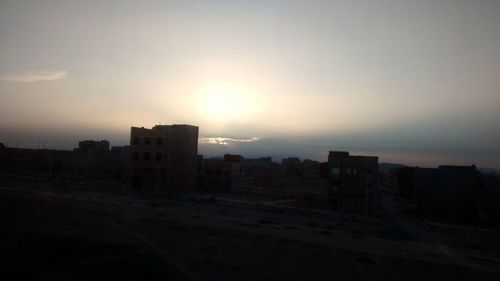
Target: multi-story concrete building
x,y
291,166
164,159
448,193
92,146
311,169
262,170
221,174
352,183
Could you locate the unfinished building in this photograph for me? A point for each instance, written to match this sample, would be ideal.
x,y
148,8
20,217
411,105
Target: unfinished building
x,y
353,183
164,159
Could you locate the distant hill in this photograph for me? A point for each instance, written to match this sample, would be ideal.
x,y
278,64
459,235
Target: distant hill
x,y
487,171
388,167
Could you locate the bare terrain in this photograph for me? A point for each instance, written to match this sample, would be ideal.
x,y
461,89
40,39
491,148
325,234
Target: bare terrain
x,y
62,232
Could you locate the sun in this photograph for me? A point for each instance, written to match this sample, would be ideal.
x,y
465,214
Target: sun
x,y
223,102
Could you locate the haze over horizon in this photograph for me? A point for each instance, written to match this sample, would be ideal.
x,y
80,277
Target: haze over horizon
x,y
414,82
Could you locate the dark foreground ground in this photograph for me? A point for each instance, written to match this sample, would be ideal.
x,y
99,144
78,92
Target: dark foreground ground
x,y
46,236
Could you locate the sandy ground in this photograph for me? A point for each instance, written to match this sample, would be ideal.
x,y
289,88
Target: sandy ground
x,y
54,234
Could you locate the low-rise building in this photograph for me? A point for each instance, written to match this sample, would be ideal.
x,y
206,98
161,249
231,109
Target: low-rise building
x,y
311,169
92,146
164,158
219,175
448,193
489,202
353,183
291,166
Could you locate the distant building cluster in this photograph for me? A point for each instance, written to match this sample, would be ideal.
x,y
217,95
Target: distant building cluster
x,y
164,159
91,160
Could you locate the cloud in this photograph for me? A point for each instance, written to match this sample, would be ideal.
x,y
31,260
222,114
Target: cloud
x,y
224,141
35,76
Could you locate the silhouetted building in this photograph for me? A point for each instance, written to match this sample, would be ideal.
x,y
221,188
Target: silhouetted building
x,y
164,158
292,166
120,153
266,177
199,172
120,156
25,160
88,146
234,158
220,174
448,193
249,167
92,160
352,182
407,180
489,202
389,179
323,170
262,170
406,183
311,169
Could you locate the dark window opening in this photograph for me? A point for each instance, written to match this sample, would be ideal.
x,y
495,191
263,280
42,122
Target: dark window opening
x,y
336,204
147,141
159,141
158,156
146,156
136,141
135,156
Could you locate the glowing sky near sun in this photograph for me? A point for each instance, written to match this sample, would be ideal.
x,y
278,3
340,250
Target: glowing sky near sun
x,y
397,78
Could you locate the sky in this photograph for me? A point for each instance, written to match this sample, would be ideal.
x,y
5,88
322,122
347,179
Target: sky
x,y
414,82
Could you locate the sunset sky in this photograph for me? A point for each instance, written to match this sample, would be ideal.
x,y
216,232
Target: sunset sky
x,y
415,82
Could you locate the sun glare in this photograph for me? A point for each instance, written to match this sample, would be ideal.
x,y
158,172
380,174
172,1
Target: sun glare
x,y
223,102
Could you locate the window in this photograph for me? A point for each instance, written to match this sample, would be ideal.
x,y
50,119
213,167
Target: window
x,y
335,171
158,156
135,156
146,156
335,204
136,141
159,141
147,141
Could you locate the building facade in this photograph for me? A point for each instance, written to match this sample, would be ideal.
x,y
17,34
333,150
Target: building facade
x,y
456,194
311,169
353,183
164,159
92,146
448,193
292,166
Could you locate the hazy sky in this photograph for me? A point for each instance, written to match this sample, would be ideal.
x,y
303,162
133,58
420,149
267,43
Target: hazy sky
x,y
416,82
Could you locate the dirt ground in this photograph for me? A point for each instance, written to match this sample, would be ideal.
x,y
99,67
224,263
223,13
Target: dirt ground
x,y
59,236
